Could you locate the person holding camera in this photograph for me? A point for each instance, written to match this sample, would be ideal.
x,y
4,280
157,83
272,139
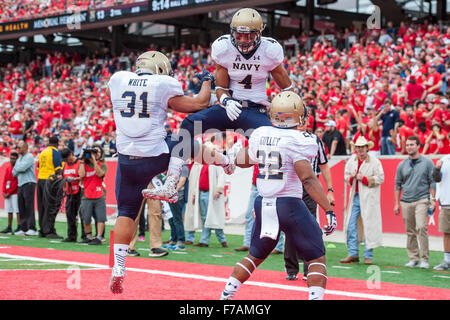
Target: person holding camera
x,y
92,170
72,190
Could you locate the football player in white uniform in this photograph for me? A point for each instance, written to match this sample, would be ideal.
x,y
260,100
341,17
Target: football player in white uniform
x,y
140,100
244,60
283,155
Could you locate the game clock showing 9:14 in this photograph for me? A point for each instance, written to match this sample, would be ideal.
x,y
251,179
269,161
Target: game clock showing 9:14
x,y
162,5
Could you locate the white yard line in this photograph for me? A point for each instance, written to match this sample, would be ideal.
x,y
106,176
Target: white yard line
x,y
215,279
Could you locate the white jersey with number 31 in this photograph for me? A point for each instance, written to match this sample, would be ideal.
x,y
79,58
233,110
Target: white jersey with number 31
x,y
140,111
248,75
276,150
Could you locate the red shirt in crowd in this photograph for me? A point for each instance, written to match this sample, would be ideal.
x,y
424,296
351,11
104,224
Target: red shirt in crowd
x,y
10,183
92,183
16,127
342,125
71,170
381,95
364,179
414,91
255,174
422,138
203,184
440,145
432,80
404,132
409,120
4,151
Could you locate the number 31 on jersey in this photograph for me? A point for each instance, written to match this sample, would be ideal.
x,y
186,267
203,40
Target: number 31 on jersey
x,y
131,95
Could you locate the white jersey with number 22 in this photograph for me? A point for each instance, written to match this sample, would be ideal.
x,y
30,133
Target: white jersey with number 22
x,y
276,150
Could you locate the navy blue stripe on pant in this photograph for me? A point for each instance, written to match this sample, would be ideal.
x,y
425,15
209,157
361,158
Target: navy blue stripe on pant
x,y
297,223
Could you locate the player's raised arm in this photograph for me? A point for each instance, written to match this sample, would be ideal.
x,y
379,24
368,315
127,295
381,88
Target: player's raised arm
x,y
192,104
282,79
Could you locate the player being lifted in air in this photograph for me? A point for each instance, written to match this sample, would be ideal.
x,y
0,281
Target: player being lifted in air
x,y
140,101
244,61
283,155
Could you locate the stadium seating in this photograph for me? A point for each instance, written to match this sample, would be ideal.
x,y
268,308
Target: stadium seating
x,y
65,94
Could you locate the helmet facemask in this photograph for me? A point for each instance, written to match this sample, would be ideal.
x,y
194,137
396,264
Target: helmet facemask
x,y
244,39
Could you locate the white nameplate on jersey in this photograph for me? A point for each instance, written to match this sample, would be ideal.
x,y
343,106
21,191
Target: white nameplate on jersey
x,y
269,219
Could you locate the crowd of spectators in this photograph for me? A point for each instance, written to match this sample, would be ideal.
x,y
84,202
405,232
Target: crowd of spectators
x,y
15,10
384,84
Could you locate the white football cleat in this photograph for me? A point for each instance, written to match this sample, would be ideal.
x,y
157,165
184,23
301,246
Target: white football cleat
x,y
168,192
116,282
225,296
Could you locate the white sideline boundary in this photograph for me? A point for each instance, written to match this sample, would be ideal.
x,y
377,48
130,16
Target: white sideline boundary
x,y
208,278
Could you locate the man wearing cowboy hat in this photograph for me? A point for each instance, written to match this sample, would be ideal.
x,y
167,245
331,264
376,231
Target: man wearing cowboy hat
x,y
362,217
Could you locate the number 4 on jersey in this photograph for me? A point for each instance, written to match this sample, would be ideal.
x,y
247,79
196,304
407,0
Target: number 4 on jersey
x,y
247,82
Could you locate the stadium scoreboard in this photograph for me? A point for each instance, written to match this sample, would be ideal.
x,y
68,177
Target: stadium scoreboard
x,y
91,18
163,5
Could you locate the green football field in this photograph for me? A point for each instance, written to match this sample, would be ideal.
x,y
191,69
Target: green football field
x,y
389,261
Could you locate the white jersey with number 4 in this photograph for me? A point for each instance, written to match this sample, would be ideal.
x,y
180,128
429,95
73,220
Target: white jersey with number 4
x,y
248,75
140,111
276,150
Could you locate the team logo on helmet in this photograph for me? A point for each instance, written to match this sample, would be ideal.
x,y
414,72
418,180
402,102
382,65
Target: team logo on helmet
x,y
153,62
287,110
246,29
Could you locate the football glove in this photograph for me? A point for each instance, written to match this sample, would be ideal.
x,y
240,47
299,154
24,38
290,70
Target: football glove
x,y
233,108
205,76
332,223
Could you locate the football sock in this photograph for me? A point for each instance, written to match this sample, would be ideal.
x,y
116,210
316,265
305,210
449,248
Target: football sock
x,y
120,253
175,167
316,293
231,288
447,257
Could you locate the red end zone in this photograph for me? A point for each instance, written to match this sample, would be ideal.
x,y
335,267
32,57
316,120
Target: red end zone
x,y
151,279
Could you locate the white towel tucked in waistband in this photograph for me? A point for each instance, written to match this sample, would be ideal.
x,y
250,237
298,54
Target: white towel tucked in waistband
x,y
269,219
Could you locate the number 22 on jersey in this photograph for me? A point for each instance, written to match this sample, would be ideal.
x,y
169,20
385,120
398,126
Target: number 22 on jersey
x,y
269,165
131,95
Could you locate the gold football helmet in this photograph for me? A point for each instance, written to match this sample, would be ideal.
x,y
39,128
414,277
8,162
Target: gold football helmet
x,y
287,110
246,29
153,62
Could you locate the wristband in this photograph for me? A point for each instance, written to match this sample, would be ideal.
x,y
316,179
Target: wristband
x,y
222,88
223,97
288,88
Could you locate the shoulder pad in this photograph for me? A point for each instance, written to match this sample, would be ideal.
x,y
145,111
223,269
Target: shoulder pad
x,y
270,40
220,47
273,51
